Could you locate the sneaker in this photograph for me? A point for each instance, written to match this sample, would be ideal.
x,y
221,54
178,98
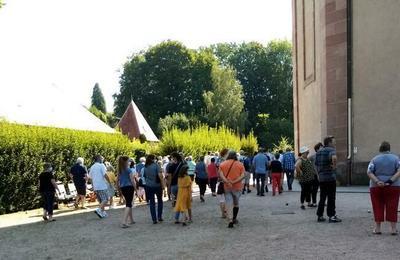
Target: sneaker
x,y
235,221
99,213
202,199
303,207
230,225
248,191
334,219
321,219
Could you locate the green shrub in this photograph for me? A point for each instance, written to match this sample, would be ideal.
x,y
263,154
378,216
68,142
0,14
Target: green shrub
x,y
24,149
198,141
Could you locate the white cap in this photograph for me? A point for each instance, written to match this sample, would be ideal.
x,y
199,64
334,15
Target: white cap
x,y
304,149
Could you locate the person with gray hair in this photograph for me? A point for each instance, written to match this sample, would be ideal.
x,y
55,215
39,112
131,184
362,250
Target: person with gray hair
x,y
232,173
78,173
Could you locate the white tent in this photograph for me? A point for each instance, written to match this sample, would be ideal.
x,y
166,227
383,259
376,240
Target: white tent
x,y
52,108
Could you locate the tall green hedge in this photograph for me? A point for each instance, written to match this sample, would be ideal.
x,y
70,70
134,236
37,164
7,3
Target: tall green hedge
x,y
198,141
24,149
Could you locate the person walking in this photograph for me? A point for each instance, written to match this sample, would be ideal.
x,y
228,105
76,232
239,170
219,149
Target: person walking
x,y
126,182
201,177
212,176
111,184
47,188
276,175
78,173
288,161
384,173
97,174
220,186
305,173
315,184
247,167
154,184
261,163
325,161
173,170
232,173
184,200
192,167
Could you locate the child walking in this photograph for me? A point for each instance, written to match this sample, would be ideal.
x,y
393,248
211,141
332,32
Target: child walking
x,y
184,200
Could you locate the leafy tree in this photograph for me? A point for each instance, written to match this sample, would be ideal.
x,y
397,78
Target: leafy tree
x,y
98,99
224,103
265,73
168,78
178,120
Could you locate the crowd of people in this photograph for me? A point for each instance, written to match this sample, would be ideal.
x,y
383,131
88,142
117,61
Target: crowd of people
x,y
228,174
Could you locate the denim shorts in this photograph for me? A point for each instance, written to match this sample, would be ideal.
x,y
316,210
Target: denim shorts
x,y
232,197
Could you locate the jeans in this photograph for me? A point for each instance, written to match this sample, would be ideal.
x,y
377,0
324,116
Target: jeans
x,y
306,189
48,201
202,185
327,190
260,178
314,190
151,192
213,184
290,178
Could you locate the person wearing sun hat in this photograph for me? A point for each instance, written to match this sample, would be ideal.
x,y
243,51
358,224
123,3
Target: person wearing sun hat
x,y
305,174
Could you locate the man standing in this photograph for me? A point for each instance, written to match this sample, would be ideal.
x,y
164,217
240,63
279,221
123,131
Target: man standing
x,y
78,174
325,162
288,162
260,164
98,175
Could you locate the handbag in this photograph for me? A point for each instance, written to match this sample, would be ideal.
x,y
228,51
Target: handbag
x,y
221,189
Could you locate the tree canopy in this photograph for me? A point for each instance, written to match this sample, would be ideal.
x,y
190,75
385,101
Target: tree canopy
x,y
234,84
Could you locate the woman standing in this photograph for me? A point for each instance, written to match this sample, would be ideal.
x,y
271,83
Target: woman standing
x,y
47,188
126,183
384,173
232,173
201,177
305,173
154,186
184,200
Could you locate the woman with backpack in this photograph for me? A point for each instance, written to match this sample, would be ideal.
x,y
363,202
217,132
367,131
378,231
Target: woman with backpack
x,y
201,177
154,187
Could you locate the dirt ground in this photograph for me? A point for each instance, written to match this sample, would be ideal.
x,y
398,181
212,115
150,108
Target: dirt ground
x,y
266,231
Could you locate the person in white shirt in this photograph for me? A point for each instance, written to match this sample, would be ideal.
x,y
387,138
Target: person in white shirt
x,y
99,179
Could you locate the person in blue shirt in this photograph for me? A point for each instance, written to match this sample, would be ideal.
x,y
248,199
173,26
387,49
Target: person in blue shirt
x,y
261,164
288,162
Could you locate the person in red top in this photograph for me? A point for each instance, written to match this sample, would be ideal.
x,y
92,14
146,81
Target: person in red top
x,y
212,176
232,173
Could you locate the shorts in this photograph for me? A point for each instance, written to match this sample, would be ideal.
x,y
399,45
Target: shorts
x,y
102,195
110,190
81,190
221,198
232,197
128,192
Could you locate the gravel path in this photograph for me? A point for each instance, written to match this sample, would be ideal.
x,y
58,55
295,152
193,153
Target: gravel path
x,y
266,231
